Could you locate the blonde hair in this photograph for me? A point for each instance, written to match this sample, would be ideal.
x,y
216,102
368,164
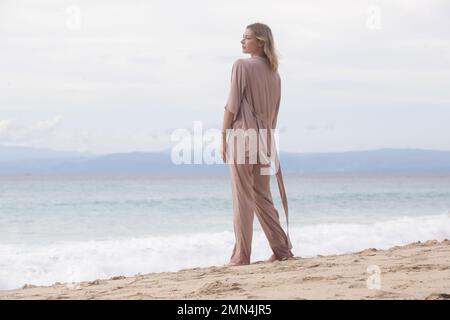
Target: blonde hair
x,y
263,33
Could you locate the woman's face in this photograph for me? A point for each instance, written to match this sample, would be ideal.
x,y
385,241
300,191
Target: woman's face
x,y
250,44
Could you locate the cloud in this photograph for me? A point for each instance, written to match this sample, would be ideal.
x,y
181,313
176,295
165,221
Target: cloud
x,y
134,62
5,130
46,125
320,127
10,131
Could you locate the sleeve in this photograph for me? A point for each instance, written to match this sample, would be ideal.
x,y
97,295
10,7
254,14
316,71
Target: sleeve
x,y
277,107
237,88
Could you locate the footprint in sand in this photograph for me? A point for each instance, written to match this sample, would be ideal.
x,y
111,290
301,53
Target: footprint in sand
x,y
438,296
217,287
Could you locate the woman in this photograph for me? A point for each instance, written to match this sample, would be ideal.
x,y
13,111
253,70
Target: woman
x,y
253,103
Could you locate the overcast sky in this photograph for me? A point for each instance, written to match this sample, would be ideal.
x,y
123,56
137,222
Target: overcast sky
x,y
120,76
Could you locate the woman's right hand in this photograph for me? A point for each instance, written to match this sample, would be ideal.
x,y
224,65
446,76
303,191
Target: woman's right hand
x,y
223,147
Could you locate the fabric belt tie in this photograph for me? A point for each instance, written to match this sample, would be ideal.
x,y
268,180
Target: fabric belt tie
x,y
279,174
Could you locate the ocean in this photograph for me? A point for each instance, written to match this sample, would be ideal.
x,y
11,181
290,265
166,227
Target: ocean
x,y
71,229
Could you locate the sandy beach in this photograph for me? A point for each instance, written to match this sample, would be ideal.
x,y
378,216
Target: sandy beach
x,y
419,270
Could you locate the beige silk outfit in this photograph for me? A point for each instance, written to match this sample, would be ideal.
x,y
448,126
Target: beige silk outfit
x,y
254,99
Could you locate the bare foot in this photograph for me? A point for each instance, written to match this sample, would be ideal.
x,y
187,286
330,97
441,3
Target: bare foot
x,y
232,264
274,258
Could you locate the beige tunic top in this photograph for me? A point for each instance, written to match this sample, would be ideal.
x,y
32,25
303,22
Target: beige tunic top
x,y
255,92
254,99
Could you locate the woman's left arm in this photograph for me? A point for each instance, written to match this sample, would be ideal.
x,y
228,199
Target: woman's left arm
x,y
237,88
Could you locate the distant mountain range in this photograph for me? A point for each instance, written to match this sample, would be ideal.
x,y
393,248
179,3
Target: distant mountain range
x,y
33,161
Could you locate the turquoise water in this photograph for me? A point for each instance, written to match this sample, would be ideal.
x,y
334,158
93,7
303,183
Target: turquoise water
x,y
44,209
62,228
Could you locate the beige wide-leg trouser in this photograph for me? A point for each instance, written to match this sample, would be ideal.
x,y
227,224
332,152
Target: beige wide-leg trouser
x,y
251,193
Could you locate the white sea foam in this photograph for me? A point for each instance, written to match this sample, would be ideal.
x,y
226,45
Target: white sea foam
x,y
79,261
